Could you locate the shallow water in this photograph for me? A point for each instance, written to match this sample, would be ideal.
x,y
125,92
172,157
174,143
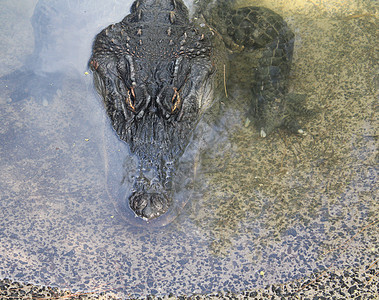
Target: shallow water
x,y
262,210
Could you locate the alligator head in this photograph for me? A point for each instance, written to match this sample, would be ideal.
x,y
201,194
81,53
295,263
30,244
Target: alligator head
x,y
153,71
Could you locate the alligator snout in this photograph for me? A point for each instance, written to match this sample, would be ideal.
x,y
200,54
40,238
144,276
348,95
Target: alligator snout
x,y
149,205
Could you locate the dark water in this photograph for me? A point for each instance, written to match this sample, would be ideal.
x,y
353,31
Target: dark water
x,y
260,211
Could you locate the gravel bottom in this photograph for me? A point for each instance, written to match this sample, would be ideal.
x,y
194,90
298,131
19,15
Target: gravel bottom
x,y
340,284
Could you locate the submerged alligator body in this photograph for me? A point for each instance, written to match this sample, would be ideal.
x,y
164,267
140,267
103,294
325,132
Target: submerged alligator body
x,y
158,72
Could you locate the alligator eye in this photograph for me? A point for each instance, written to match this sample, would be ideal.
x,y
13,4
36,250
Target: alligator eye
x,y
176,101
94,64
131,99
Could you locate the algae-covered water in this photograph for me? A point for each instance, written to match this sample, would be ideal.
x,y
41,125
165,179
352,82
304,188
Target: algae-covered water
x,y
262,211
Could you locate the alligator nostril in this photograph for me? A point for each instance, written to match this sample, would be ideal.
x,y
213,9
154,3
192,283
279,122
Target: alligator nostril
x,y
149,205
138,202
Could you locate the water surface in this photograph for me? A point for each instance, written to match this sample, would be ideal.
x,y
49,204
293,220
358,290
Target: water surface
x,y
262,211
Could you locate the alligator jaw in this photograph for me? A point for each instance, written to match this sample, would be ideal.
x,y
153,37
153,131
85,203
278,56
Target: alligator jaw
x,y
152,194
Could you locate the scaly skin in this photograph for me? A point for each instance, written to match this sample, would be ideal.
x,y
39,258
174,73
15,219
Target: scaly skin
x,y
157,73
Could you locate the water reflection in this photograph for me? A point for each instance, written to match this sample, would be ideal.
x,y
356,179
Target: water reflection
x,y
263,210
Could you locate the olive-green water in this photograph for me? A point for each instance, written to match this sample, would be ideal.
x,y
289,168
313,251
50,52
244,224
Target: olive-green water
x,y
262,211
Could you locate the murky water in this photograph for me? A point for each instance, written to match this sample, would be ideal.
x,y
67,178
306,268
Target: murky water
x,y
262,211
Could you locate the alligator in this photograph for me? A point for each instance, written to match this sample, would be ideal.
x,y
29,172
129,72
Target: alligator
x,y
158,71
